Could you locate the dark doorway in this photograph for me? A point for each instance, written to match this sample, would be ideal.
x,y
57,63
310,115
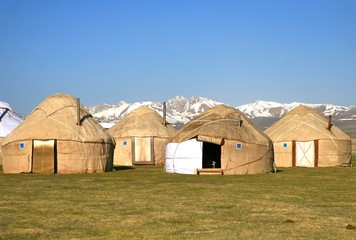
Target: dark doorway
x,y
211,155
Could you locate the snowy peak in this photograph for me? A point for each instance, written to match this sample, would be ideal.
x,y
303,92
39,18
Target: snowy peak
x,y
263,109
260,109
193,104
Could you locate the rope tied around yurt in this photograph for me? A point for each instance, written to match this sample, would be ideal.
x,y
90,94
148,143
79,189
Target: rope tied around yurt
x,y
329,136
208,122
250,162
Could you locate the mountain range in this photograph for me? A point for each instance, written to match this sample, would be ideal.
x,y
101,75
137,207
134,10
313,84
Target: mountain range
x,y
180,110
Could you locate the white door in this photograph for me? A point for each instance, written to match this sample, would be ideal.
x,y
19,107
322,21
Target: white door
x,y
305,154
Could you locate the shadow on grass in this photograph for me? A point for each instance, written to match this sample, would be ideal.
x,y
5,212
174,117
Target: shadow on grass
x,y
121,168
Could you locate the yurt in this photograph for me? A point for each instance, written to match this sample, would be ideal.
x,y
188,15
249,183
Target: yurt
x,y
9,120
59,136
221,139
305,138
141,138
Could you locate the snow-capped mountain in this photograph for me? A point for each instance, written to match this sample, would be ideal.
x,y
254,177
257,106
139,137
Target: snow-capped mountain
x,y
180,110
260,109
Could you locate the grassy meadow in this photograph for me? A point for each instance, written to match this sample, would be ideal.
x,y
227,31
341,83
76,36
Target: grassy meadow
x,y
147,203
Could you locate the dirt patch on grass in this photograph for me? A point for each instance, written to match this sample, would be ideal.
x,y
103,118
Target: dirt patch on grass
x,y
26,231
350,227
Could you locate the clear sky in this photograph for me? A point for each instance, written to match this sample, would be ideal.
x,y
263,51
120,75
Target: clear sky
x,y
234,51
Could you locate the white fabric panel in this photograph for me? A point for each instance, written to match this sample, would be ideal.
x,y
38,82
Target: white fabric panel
x,y
305,154
169,165
187,166
9,121
184,157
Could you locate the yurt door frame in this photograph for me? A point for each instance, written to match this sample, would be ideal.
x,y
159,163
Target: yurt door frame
x,y
305,153
44,156
211,155
142,150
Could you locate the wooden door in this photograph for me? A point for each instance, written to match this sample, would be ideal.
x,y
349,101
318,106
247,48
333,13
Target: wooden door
x,y
43,158
142,150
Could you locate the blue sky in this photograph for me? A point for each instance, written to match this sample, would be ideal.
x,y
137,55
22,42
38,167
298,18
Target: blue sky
x,y
152,50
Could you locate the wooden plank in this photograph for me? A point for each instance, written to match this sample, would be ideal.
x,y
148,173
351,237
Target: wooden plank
x,y
293,153
316,153
209,171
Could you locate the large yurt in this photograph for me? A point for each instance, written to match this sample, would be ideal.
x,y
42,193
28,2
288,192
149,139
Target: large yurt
x,y
223,139
9,120
305,138
141,138
58,136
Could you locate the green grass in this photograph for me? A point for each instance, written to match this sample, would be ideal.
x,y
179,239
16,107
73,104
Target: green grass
x,y
147,203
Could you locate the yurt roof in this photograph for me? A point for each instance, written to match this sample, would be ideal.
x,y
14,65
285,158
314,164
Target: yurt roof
x,y
304,124
142,122
9,120
56,118
221,122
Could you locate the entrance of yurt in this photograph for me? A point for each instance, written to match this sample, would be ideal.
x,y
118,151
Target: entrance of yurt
x,y
211,155
142,150
44,156
305,154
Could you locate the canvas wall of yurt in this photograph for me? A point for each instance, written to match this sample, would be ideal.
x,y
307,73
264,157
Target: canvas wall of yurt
x,y
58,136
305,138
141,138
221,138
9,120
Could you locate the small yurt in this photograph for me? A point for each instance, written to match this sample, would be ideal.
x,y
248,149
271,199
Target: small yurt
x,y
141,138
59,136
305,138
221,139
9,120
